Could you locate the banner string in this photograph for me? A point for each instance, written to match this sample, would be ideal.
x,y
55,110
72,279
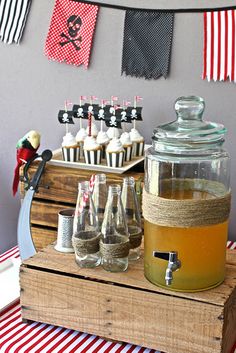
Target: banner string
x,y
183,10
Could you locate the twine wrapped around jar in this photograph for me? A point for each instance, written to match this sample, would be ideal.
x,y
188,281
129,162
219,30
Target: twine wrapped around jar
x,y
188,212
117,248
135,240
85,246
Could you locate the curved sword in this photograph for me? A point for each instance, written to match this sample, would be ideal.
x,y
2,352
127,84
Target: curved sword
x,y
24,237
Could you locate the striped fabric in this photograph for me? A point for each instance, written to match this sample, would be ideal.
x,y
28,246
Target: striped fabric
x,y
219,46
13,252
13,15
138,149
114,159
35,337
93,157
128,153
71,154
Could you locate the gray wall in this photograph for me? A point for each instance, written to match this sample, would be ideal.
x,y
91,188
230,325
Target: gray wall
x,y
33,89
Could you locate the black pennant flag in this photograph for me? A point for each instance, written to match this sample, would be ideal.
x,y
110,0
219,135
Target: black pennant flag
x,y
147,43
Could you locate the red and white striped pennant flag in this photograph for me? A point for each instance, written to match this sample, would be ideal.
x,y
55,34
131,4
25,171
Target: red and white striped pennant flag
x,y
219,46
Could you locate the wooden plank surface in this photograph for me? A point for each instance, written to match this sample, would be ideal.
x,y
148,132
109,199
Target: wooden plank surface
x,y
167,323
45,213
52,260
43,237
229,327
61,183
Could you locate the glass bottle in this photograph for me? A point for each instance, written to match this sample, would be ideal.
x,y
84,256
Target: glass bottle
x,y
133,217
99,196
114,243
86,234
187,182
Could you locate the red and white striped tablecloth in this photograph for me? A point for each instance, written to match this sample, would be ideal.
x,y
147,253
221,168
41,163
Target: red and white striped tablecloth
x,y
35,337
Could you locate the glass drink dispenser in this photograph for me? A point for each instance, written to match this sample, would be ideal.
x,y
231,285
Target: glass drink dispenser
x,y
186,201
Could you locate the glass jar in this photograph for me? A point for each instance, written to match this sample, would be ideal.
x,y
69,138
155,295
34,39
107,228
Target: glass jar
x,y
86,233
186,201
133,217
114,244
99,196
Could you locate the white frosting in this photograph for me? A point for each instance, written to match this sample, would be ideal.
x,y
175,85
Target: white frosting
x,y
90,143
135,135
125,139
115,145
94,130
113,132
68,140
102,138
81,135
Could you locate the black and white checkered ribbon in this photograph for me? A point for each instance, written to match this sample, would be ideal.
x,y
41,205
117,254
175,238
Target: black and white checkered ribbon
x,y
147,44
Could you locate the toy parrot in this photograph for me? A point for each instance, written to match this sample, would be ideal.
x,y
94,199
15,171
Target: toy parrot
x,y
26,149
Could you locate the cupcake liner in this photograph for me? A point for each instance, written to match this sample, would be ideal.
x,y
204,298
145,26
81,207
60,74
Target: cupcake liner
x,y
81,144
104,150
138,149
115,160
71,154
93,156
128,153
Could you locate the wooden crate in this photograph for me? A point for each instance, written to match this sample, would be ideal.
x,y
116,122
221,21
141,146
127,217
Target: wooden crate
x,y
126,307
58,190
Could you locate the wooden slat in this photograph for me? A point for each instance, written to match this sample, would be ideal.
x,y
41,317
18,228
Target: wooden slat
x,y
167,323
61,183
230,257
229,327
43,237
134,277
46,214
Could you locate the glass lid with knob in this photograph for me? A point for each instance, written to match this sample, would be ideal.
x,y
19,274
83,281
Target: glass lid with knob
x,y
189,132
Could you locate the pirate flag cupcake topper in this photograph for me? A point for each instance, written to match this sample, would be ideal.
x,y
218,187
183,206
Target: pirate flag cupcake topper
x,y
78,110
135,112
65,116
79,113
101,112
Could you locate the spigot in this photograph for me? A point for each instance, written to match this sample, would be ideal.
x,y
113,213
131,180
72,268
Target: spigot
x,y
173,263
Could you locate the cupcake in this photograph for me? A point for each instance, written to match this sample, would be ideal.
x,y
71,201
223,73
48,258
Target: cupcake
x,y
138,143
80,137
70,148
115,153
113,132
94,130
103,140
127,145
92,151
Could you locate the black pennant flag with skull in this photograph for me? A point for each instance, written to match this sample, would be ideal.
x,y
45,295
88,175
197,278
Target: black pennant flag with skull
x,y
65,117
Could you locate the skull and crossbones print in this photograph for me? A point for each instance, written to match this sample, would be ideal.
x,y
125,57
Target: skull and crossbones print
x,y
113,121
134,114
74,24
90,109
65,118
123,115
101,113
80,112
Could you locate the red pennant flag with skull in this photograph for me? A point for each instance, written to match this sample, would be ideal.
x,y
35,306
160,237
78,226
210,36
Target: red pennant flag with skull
x,y
71,31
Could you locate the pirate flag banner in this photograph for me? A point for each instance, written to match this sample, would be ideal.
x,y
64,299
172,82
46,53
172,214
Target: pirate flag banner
x,y
71,32
13,16
147,43
219,46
